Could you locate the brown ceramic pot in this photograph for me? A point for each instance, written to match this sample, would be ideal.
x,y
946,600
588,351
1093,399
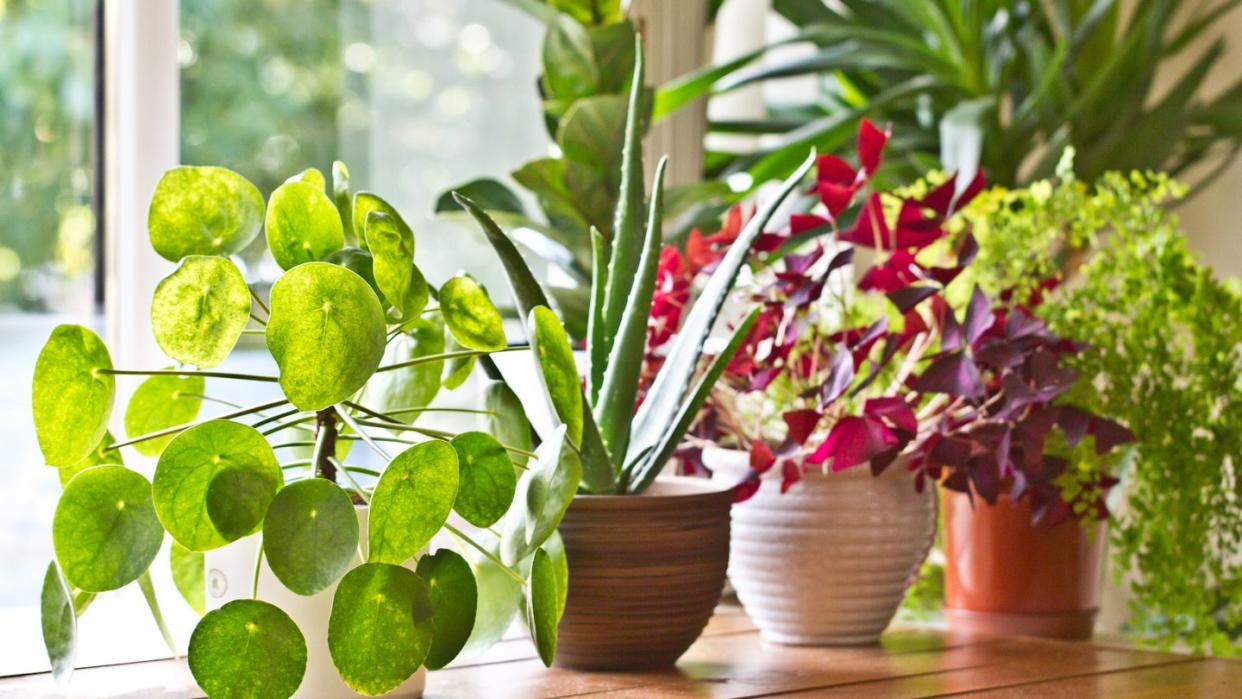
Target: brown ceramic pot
x,y
1004,575
645,573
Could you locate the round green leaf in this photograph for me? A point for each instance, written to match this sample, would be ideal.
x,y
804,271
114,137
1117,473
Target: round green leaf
x,y
359,262
508,419
412,500
203,211
364,204
311,176
326,332
458,368
187,492
487,480
105,531
381,626
310,535
60,623
454,598
302,224
470,315
542,604
392,246
72,397
199,311
188,575
247,649
396,392
560,372
161,402
99,456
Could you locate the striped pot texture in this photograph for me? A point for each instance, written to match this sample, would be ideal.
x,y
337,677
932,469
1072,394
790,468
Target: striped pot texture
x,y
645,573
828,562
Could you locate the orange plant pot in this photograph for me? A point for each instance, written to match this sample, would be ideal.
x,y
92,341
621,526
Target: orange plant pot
x,y
1004,575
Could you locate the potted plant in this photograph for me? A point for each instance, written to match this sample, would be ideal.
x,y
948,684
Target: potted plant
x,y
318,580
647,554
910,368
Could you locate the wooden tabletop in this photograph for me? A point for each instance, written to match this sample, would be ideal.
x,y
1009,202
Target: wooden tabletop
x,y
731,661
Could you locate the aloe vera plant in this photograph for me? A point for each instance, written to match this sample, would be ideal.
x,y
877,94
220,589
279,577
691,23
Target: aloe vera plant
x,y
362,343
622,449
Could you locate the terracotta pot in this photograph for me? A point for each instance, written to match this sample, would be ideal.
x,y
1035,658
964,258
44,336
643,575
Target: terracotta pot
x,y
1004,575
828,562
645,573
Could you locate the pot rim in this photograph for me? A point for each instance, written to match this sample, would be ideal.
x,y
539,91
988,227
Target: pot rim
x,y
693,490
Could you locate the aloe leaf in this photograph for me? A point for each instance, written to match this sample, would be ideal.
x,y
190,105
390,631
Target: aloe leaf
x,y
595,323
625,359
665,395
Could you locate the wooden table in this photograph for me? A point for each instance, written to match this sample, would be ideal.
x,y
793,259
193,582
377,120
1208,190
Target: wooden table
x,y
731,661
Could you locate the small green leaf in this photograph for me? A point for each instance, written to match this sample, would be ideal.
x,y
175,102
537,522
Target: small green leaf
x,y
458,368
544,493
186,475
203,211
414,386
454,599
470,315
72,397
199,311
381,626
188,575
555,548
560,372
344,200
392,247
412,501
303,225
508,419
99,456
310,535
500,597
543,606
487,480
359,262
160,402
105,530
364,204
60,624
326,333
487,193
311,176
247,649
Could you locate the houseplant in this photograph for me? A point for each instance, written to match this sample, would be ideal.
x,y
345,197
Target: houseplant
x,y
960,393
1166,360
628,528
353,334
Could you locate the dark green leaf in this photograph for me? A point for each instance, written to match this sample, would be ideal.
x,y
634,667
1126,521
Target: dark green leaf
x,y
105,530
310,535
199,311
508,421
412,501
543,605
203,211
454,599
381,626
160,402
72,397
569,69
247,649
486,192
470,315
60,624
358,261
487,480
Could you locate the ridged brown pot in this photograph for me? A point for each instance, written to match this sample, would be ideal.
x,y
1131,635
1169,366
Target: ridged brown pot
x,y
829,561
645,573
1005,575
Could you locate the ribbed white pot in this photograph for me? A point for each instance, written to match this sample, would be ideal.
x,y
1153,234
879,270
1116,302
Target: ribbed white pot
x,y
828,562
230,576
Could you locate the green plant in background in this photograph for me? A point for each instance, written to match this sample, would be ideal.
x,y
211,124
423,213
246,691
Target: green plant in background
x,y
621,449
359,339
1166,360
1006,84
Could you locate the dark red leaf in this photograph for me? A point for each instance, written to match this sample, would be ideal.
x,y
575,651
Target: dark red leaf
x,y
954,374
870,144
880,462
950,331
985,476
972,190
870,228
911,296
840,260
747,488
761,456
978,316
852,441
840,374
830,168
1074,422
836,198
790,473
801,423
940,198
895,410
1109,434
801,223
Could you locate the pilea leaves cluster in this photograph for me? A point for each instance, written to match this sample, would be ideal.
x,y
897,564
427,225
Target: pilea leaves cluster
x,y
363,343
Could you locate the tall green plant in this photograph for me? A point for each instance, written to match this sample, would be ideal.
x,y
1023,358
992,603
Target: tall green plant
x,y
622,450
359,338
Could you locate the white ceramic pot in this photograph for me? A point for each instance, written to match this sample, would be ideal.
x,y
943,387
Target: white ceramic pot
x,y
828,562
230,576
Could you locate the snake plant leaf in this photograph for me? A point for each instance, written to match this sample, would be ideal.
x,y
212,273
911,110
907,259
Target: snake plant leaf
x,y
311,176
401,392
597,347
188,575
72,396
186,474
381,626
203,211
412,500
364,204
326,333
105,531
310,535
470,315
487,480
392,247
247,648
343,197
60,624
500,598
555,359
160,402
544,493
666,395
454,600
458,368
302,225
100,455
358,261
542,603
507,420
199,311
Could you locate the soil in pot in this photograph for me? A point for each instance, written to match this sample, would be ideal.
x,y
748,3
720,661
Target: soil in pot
x,y
1005,575
645,573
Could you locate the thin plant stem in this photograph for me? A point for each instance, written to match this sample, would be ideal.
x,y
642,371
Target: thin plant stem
x,y
340,468
490,556
438,434
356,438
288,445
258,563
274,418
353,424
258,320
254,331
470,411
266,311
179,372
443,356
286,425
180,428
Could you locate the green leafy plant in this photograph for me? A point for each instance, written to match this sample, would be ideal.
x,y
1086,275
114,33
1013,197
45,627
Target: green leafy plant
x,y
362,343
623,449
1166,338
